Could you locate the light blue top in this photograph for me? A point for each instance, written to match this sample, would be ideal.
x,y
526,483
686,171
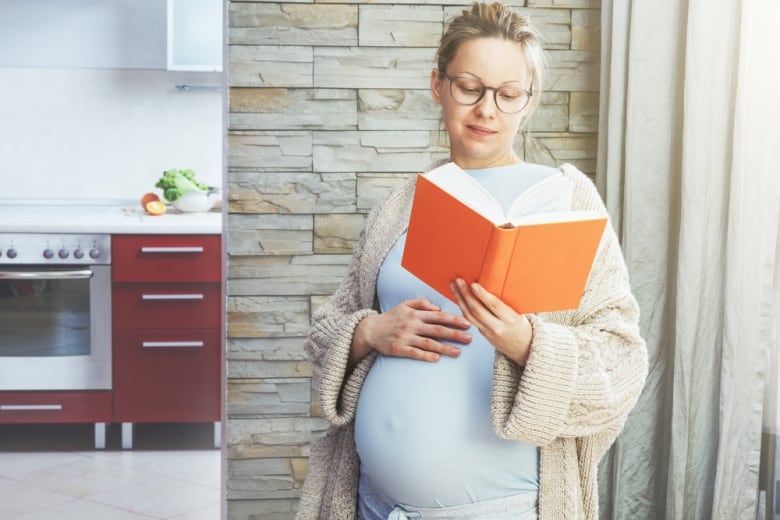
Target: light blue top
x,y
423,430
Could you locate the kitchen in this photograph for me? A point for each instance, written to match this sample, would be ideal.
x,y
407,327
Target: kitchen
x,y
96,107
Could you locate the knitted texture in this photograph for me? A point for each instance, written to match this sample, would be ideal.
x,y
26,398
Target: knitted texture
x,y
584,373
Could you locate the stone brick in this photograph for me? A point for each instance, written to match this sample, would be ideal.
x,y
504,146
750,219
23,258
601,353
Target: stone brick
x,y
270,66
584,112
272,437
286,275
272,397
556,149
397,109
268,349
576,71
294,192
336,233
288,109
267,316
292,24
391,151
400,26
586,29
552,115
372,67
269,234
278,509
269,151
373,187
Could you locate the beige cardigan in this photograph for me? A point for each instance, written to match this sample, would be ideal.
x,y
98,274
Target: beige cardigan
x,y
584,374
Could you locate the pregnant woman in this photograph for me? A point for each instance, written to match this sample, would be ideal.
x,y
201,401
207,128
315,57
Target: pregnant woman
x,y
453,405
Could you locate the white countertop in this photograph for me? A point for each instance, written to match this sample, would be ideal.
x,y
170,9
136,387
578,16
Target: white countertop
x,y
91,216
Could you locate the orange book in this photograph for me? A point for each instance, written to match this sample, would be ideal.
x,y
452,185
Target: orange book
x,y
534,260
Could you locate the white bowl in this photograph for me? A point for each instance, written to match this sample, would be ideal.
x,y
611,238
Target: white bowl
x,y
196,202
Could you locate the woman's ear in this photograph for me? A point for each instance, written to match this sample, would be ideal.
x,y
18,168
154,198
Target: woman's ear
x,y
436,85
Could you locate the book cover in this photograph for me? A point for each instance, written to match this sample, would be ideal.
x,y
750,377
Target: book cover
x,y
535,261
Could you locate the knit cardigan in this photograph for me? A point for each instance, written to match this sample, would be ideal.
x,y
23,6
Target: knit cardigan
x,y
583,375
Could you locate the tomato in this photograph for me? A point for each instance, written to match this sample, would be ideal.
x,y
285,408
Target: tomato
x,y
155,207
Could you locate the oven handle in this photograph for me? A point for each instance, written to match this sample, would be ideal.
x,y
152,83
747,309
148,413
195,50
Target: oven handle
x,y
46,275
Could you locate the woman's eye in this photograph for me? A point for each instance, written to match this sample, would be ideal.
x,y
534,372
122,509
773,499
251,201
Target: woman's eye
x,y
470,89
509,95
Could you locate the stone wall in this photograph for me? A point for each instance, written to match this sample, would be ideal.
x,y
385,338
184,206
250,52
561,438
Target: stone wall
x,y
328,107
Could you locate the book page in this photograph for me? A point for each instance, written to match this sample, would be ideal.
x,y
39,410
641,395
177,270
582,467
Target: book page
x,y
455,181
553,193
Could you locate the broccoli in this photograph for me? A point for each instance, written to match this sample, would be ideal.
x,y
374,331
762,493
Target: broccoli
x,y
176,183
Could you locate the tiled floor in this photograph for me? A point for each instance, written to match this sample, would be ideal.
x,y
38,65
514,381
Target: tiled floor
x,y
52,472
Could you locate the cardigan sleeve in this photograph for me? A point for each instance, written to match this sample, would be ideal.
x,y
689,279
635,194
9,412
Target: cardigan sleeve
x,y
586,367
330,340
333,325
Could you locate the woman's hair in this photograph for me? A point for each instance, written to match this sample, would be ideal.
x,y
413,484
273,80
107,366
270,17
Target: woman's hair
x,y
495,20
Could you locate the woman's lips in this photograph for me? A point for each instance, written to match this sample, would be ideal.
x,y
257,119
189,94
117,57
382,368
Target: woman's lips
x,y
481,130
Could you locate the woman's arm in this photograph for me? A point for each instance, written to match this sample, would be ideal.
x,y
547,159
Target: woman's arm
x,y
585,368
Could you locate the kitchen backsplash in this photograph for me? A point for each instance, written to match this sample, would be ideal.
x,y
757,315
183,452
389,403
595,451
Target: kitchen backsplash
x,y
105,133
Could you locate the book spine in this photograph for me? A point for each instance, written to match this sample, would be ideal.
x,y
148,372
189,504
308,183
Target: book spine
x,y
498,254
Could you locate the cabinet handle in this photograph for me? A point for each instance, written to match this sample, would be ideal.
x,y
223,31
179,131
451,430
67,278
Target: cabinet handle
x,y
172,249
30,407
148,344
172,296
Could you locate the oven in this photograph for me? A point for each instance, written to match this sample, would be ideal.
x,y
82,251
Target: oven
x,y
55,312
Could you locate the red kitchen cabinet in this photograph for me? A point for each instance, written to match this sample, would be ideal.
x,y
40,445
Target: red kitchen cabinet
x,y
167,324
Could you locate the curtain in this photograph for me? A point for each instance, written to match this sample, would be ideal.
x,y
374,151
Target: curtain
x,y
689,167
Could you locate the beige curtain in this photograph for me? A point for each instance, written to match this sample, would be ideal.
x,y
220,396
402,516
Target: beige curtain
x,y
689,165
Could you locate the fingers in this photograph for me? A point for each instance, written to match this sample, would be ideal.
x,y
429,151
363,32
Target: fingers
x,y
418,329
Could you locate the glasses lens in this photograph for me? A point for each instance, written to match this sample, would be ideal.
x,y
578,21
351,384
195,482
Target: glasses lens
x,y
510,99
468,91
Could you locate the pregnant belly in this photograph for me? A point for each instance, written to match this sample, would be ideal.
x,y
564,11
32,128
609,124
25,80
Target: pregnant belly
x,y
424,435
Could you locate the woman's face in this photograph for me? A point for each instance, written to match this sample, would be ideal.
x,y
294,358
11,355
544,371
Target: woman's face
x,y
481,135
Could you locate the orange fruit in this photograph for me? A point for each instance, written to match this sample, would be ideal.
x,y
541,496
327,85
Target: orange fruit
x,y
148,197
155,207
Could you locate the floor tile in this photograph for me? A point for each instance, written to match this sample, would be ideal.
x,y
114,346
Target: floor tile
x,y
172,473
159,497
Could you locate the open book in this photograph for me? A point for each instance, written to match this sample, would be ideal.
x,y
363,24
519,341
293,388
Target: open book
x,y
536,258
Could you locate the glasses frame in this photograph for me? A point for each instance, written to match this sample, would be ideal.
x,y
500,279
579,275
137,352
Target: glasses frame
x,y
485,88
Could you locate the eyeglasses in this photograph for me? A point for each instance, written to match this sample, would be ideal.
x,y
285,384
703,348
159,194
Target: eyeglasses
x,y
469,91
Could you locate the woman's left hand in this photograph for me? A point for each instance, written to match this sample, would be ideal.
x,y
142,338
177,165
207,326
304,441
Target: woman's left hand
x,y
509,332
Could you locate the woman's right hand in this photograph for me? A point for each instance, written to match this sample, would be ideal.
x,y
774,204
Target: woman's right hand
x,y
413,329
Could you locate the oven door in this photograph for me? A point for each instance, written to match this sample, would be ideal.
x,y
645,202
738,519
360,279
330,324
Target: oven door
x,y
56,328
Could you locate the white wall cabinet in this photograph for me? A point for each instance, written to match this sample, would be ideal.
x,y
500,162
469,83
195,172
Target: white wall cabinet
x,y
114,34
182,35
194,35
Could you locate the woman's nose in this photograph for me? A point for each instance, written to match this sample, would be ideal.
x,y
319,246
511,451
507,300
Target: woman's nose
x,y
487,105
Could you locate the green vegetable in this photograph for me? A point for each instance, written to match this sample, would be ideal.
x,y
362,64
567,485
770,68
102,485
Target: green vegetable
x,y
176,183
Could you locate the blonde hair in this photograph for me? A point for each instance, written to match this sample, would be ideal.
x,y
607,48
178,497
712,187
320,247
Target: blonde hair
x,y
495,20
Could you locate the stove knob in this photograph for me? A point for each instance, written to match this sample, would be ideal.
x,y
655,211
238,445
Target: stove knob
x,y
63,253
94,253
11,253
78,253
48,253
